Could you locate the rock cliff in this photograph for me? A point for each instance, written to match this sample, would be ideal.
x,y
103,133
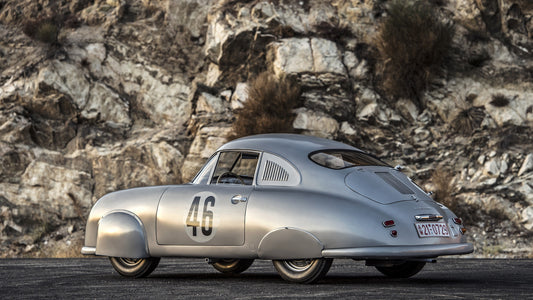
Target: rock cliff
x,y
113,94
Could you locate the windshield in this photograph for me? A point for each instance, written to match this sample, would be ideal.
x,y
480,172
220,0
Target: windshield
x,y
340,159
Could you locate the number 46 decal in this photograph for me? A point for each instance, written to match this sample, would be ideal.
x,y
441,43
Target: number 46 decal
x,y
206,223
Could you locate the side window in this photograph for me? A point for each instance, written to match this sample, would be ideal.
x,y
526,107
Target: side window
x,y
203,176
235,167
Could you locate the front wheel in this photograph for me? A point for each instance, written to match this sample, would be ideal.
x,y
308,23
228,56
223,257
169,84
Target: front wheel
x,y
233,266
134,267
403,270
303,270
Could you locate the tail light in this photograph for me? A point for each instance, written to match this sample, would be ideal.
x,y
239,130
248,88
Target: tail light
x,y
388,223
458,221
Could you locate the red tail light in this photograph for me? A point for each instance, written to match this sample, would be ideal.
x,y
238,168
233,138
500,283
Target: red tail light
x,y
388,223
458,221
394,233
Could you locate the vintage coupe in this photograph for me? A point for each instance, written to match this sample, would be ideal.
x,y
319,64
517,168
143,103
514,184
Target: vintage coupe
x,y
297,200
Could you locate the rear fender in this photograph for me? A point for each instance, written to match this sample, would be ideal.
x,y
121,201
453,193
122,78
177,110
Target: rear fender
x,y
121,234
289,243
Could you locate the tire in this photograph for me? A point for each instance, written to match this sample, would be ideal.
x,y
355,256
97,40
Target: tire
x,y
303,270
134,267
403,270
233,266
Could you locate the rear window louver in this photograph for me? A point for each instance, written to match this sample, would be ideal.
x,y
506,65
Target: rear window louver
x,y
274,172
395,183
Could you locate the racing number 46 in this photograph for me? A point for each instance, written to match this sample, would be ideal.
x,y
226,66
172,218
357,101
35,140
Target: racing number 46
x,y
207,216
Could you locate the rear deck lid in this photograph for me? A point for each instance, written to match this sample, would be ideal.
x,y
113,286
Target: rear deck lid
x,y
382,184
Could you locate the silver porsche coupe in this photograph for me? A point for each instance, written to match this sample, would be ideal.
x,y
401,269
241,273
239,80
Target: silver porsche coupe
x,y
297,200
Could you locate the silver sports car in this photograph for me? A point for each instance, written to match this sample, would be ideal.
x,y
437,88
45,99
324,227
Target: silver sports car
x,y
297,200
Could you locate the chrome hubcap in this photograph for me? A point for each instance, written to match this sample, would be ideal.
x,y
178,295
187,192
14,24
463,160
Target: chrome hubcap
x,y
131,262
228,262
298,265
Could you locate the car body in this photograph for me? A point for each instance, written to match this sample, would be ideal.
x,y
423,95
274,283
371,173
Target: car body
x,y
297,200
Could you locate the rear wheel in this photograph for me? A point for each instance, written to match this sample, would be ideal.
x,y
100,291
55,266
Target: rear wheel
x,y
403,270
232,266
134,267
303,270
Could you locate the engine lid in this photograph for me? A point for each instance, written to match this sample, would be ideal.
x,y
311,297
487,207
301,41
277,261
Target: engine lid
x,y
383,185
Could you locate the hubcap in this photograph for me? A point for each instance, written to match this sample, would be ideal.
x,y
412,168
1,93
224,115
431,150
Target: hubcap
x,y
130,261
298,265
228,262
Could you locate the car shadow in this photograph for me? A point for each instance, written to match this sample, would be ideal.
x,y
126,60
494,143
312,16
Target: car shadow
x,y
328,280
383,280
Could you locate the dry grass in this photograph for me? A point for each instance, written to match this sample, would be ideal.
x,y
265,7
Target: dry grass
x,y
442,180
511,135
333,31
444,194
42,29
62,249
268,108
468,120
413,44
499,100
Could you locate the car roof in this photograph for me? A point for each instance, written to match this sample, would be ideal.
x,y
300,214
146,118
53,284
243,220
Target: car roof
x,y
285,145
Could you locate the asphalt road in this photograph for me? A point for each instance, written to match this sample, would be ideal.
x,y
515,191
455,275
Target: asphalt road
x,y
193,278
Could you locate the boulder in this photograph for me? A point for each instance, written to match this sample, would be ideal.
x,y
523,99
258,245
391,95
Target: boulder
x,y
307,55
240,95
205,143
527,218
105,105
208,103
315,123
58,191
527,165
67,79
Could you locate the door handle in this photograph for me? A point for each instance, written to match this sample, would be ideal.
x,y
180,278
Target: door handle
x,y
238,198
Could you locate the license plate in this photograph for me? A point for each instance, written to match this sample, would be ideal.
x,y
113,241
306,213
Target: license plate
x,y
432,230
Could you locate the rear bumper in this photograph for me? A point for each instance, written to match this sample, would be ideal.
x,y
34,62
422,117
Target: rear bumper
x,y
400,252
88,250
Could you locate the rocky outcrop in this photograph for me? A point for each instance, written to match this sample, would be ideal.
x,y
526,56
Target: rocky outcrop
x,y
137,93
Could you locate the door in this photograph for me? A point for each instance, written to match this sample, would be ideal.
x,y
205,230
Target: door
x,y
209,214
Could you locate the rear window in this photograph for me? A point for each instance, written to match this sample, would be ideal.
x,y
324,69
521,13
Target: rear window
x,y
340,159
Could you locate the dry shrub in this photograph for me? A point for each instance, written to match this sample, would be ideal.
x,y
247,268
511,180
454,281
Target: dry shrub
x,y
468,120
444,194
42,29
479,59
333,31
477,36
269,106
231,6
413,43
499,100
513,135
442,180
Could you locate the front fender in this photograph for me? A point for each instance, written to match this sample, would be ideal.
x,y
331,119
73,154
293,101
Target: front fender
x,y
121,234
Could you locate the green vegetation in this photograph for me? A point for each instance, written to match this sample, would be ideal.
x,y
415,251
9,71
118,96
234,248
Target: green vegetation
x,y
413,44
